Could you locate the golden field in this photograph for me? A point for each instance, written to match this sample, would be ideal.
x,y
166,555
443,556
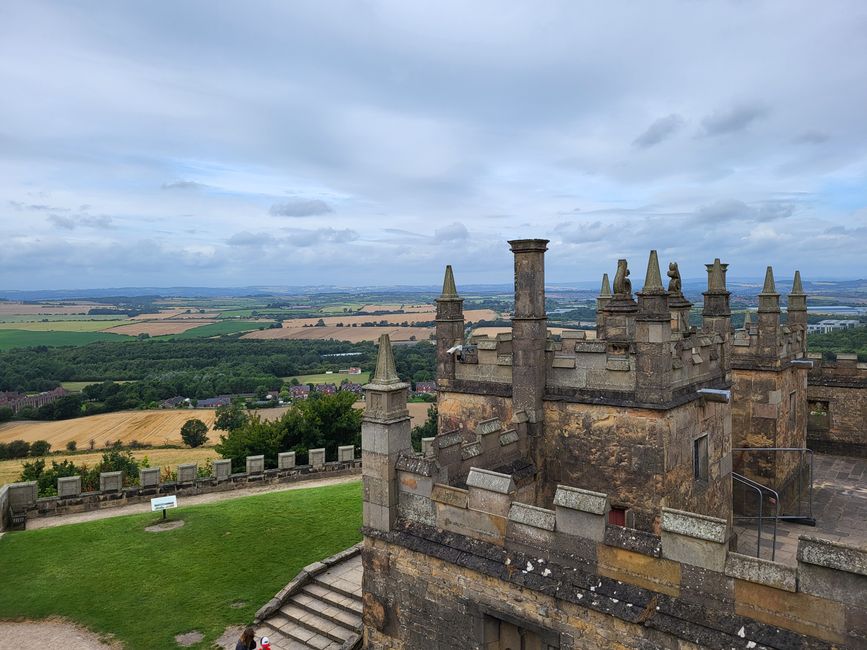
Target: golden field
x,y
351,334
425,315
160,327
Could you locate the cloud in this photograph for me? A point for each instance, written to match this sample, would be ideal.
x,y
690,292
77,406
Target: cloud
x,y
732,120
731,210
453,232
101,222
62,222
660,130
300,208
183,185
245,238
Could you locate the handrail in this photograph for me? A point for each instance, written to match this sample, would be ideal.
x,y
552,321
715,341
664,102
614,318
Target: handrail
x,y
760,488
812,466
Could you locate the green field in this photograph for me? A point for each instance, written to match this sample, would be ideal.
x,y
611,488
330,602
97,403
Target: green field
x,y
144,588
78,386
63,325
334,378
216,329
22,339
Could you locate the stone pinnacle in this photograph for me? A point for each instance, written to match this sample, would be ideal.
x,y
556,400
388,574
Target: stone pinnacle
x,y
769,287
748,320
716,279
652,279
449,288
605,292
797,287
385,371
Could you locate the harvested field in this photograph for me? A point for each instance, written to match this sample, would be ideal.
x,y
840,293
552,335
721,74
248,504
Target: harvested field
x,y
47,308
428,314
159,327
417,411
556,331
10,470
160,315
154,427
63,325
406,308
352,334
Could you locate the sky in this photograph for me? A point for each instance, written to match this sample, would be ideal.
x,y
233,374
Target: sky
x,y
360,143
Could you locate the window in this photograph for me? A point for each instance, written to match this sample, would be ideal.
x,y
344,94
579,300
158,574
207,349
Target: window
x,y
793,411
504,635
617,516
700,458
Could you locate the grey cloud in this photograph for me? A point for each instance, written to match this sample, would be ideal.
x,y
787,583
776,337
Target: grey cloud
x,y
183,185
300,208
101,222
301,238
732,209
732,120
245,238
771,210
453,232
811,137
62,222
37,207
660,130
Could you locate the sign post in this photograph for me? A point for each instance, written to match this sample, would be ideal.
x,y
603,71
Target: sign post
x,y
164,503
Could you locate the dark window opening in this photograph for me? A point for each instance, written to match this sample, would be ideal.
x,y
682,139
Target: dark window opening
x,y
617,516
700,458
503,635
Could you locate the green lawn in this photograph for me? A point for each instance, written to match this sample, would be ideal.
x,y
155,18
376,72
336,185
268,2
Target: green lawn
x,y
22,339
216,329
115,578
334,378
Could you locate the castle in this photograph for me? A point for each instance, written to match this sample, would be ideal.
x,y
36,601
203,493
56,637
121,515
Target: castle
x,y
579,491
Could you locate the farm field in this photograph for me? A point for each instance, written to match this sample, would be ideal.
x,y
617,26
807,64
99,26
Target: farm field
x,y
159,327
78,386
10,470
114,577
154,427
63,325
428,314
15,308
18,338
223,327
351,334
333,378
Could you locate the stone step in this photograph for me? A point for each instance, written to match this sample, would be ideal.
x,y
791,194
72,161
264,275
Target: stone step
x,y
316,623
297,636
334,587
349,620
279,641
351,604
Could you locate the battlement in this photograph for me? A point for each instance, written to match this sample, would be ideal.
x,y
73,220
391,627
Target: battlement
x,y
845,371
683,582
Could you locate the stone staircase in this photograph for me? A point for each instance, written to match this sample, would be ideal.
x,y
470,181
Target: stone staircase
x,y
320,609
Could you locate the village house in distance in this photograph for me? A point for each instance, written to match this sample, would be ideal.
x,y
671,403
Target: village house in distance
x,y
605,491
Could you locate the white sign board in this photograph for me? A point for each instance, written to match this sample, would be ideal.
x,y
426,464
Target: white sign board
x,y
164,503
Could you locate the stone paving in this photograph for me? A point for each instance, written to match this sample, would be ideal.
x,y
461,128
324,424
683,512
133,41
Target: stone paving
x,y
839,506
323,615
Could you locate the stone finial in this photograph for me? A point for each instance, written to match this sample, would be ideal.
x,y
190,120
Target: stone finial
x,y
605,291
450,291
385,371
797,287
748,320
716,276
769,286
652,279
675,285
622,283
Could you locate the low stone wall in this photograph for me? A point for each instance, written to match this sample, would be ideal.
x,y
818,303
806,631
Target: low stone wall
x,y
839,387
458,562
88,501
5,511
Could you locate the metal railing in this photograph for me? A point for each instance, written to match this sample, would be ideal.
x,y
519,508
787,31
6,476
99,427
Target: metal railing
x,y
760,490
798,517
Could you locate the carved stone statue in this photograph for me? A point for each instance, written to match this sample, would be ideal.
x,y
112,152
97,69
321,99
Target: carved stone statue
x,y
622,283
674,285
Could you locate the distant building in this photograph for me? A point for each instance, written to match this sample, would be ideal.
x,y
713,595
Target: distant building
x,y
173,402
17,401
302,391
214,402
831,325
425,388
325,389
350,387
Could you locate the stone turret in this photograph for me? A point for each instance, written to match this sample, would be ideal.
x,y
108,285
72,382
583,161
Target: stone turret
x,y
602,301
385,433
769,318
796,310
449,328
653,338
716,312
529,331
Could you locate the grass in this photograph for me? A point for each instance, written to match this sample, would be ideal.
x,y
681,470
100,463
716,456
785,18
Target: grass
x,y
216,329
17,338
334,378
114,578
78,386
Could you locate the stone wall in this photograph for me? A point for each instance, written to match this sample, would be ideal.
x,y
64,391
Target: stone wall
x,y
488,565
5,510
837,405
642,458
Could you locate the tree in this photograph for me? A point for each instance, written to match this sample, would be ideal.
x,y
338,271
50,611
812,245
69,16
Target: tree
x,y
40,448
6,413
71,445
193,433
426,430
231,417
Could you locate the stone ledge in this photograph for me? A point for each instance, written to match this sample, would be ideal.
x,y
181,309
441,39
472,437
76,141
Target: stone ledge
x,y
690,524
833,555
763,572
523,513
578,499
485,479
449,495
416,465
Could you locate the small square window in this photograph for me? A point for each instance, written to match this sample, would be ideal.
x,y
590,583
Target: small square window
x,y
700,458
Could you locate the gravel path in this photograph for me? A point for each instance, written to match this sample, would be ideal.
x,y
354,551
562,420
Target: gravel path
x,y
138,508
50,633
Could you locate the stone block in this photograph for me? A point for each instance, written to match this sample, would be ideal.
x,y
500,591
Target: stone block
x,y
221,469
449,495
377,491
693,525
580,524
286,460
110,481
23,495
316,458
694,539
427,447
842,586
488,501
255,464
414,507
414,483
187,473
68,486
584,500
471,523
765,411
449,439
508,437
833,555
534,516
486,427
149,477
377,516
764,572
346,453
471,450
491,481
638,569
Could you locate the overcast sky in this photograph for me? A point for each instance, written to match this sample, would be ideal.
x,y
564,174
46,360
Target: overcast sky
x,y
351,143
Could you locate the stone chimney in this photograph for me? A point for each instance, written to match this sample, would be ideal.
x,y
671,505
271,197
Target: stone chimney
x,y
769,318
449,329
529,331
653,339
602,301
796,309
385,433
716,312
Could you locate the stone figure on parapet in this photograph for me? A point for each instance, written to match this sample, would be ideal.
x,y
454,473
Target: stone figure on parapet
x,y
622,283
674,285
